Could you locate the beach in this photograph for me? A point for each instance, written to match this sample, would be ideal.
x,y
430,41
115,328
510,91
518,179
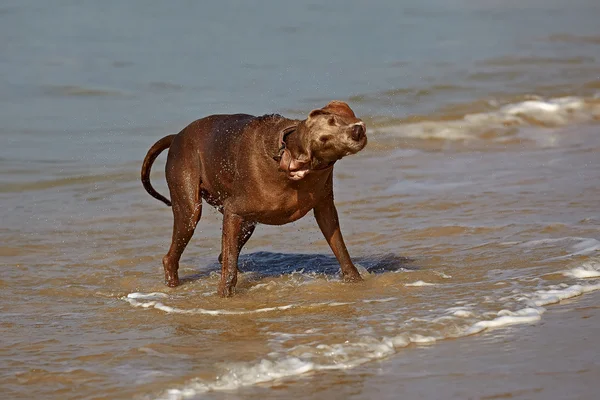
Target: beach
x,y
551,359
472,214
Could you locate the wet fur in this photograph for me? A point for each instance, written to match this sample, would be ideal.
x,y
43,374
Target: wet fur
x,y
268,170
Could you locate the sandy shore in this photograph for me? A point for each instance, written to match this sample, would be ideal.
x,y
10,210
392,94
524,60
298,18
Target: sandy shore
x,y
557,358
554,359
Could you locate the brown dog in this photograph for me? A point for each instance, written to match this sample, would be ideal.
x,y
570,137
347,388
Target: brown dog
x,y
268,170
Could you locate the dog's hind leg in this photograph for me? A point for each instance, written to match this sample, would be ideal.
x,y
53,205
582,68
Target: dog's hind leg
x,y
187,210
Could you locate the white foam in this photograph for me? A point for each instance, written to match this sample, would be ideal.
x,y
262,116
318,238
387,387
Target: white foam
x,y
147,296
544,107
174,310
345,355
551,296
534,312
442,275
420,283
364,345
132,298
589,269
384,300
462,312
421,339
244,375
506,318
545,112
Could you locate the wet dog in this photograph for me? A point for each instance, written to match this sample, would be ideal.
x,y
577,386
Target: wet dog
x,y
255,170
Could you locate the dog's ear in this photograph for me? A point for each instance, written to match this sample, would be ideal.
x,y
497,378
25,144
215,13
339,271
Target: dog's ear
x,y
285,161
339,108
334,107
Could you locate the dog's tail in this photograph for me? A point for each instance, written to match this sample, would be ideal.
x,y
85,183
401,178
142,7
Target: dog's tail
x,y
154,151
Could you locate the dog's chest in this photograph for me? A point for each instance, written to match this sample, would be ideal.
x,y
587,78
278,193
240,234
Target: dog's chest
x,y
281,208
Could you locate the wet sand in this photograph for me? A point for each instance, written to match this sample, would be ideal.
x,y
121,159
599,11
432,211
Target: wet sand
x,y
554,359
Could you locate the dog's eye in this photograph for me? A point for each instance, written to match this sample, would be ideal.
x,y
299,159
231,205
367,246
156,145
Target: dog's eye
x,y
331,121
325,138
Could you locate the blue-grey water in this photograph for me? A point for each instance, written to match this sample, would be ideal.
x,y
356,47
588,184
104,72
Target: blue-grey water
x,y
474,207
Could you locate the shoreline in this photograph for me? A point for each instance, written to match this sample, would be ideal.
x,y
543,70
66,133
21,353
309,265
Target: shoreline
x,y
551,359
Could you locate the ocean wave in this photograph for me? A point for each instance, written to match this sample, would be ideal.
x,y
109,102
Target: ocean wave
x,y
517,307
589,269
500,123
420,283
579,246
352,353
132,298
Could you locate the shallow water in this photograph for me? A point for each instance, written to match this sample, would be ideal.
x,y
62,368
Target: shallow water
x,y
474,206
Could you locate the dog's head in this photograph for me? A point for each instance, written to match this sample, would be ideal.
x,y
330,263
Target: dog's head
x,y
327,135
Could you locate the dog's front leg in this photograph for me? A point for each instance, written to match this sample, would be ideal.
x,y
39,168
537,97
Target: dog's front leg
x,y
327,218
232,230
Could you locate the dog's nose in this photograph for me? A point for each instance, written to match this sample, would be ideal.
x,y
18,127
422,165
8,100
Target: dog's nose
x,y
358,132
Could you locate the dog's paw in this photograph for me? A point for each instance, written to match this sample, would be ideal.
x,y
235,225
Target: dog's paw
x,y
353,278
172,282
226,290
